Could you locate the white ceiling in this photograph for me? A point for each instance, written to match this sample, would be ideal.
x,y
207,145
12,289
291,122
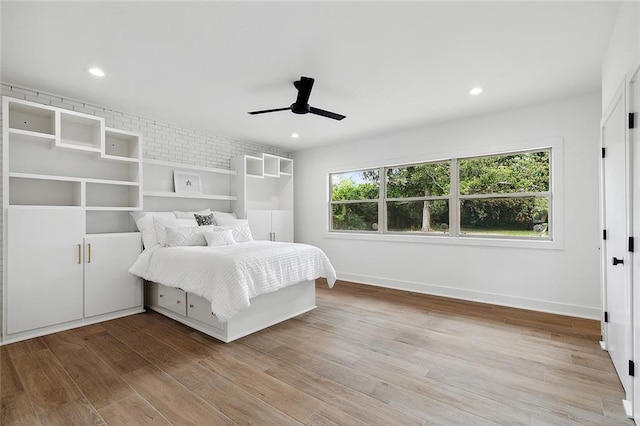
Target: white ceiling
x,y
385,65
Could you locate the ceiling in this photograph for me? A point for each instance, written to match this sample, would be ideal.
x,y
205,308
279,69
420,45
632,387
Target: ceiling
x,y
385,65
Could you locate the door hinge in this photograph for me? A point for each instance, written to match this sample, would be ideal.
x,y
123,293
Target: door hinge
x,y
604,234
603,152
631,244
632,368
606,316
632,120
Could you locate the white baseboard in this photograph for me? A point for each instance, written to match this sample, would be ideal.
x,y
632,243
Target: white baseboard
x,y
477,296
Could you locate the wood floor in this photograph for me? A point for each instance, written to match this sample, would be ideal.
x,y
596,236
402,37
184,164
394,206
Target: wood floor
x,y
365,356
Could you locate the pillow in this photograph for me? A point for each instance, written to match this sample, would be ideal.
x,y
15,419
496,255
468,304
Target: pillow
x,y
230,221
204,220
240,233
189,215
218,237
145,223
222,215
188,236
161,224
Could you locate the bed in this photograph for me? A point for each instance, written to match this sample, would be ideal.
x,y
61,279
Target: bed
x,y
231,290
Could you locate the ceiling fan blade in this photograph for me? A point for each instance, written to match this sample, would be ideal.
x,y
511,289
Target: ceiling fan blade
x,y
329,114
304,87
269,110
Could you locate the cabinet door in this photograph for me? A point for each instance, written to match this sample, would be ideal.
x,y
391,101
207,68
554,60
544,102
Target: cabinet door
x,y
282,225
109,287
45,270
260,224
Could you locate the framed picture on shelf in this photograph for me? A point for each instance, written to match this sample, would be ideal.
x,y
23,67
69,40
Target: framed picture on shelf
x,y
187,182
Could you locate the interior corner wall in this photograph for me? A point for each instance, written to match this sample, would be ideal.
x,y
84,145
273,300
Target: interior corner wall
x,y
623,50
161,141
564,281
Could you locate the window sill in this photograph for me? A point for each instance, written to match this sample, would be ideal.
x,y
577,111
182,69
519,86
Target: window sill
x,y
544,244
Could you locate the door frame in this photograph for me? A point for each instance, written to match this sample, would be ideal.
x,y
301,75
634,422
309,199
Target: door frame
x,y
633,105
621,95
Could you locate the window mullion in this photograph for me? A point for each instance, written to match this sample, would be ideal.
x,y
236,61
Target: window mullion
x,y
454,201
382,205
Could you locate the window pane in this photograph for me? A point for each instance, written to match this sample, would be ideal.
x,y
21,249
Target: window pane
x,y
355,217
501,174
419,180
522,216
359,185
418,216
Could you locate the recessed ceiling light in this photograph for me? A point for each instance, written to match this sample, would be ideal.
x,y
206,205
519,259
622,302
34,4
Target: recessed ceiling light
x,y
96,71
295,135
475,91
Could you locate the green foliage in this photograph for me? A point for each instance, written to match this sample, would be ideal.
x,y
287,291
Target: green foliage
x,y
525,172
422,180
364,185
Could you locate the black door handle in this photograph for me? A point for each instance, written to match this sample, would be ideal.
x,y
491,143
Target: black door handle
x,y
617,261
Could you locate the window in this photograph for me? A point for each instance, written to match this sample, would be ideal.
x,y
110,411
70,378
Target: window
x,y
505,195
354,200
417,197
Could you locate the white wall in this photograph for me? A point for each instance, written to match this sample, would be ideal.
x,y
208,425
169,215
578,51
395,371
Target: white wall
x,y
623,50
563,281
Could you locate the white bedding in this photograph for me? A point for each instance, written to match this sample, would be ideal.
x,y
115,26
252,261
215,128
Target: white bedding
x,y
229,276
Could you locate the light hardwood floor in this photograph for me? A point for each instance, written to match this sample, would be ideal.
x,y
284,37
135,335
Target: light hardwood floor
x,y
366,355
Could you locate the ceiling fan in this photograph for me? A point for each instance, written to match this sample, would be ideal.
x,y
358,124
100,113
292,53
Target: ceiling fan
x,y
301,105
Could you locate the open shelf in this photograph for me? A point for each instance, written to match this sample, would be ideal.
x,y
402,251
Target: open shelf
x,y
271,165
36,190
122,146
81,131
32,118
286,166
108,195
254,166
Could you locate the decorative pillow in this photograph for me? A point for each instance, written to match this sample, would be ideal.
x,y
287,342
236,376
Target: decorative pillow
x,y
217,237
190,236
189,215
240,233
161,225
221,216
204,220
145,223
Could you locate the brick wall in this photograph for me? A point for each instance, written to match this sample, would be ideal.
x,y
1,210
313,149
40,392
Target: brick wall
x,y
161,141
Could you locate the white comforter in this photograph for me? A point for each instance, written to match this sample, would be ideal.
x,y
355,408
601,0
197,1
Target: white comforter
x,y
229,276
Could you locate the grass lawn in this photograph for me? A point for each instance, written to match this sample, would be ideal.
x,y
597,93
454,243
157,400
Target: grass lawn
x,y
504,232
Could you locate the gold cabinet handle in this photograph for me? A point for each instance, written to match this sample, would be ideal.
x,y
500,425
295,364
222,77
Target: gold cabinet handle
x,y
79,254
89,254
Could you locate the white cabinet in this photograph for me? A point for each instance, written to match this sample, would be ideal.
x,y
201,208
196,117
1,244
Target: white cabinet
x,y
109,287
264,188
45,267
271,225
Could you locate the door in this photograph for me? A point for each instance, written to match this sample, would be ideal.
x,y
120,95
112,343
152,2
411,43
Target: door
x,y
45,270
617,287
260,224
109,287
282,225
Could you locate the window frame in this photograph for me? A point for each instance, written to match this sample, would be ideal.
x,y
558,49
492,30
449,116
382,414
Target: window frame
x,y
555,196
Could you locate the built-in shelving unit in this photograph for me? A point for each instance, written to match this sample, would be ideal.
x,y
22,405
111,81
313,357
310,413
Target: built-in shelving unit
x,y
264,190
69,187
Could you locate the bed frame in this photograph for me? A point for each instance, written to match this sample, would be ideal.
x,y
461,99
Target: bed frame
x,y
265,310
